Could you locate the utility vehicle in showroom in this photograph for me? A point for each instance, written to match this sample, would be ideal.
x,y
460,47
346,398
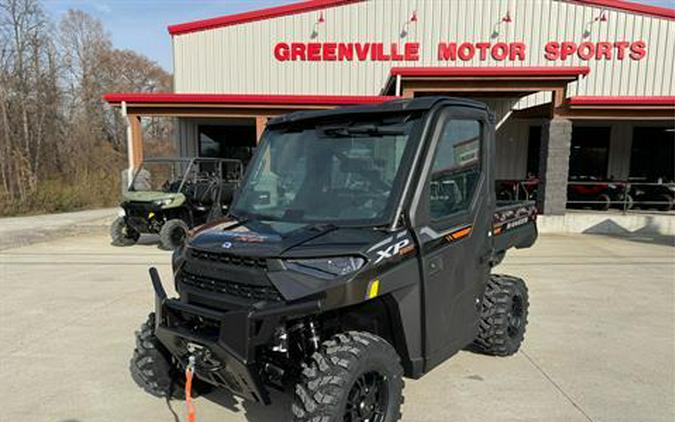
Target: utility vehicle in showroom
x,y
169,196
357,251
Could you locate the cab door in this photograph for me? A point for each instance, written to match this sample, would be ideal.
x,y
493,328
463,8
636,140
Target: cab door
x,y
452,215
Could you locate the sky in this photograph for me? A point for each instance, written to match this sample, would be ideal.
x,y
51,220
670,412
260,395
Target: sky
x,y
140,25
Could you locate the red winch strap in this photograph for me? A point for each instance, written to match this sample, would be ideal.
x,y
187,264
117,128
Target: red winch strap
x,y
189,373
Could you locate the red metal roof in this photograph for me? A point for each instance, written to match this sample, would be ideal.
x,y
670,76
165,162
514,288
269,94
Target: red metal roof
x,y
561,71
164,98
660,12
622,101
256,15
311,5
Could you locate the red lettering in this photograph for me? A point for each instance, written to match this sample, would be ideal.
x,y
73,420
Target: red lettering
x,y
500,51
378,54
447,51
621,47
362,50
586,50
638,50
567,48
395,55
298,51
329,51
603,50
346,52
411,51
466,51
517,51
281,51
314,51
552,50
483,48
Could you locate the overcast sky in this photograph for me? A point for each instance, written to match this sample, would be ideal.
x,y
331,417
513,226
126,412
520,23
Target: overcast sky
x,y
140,25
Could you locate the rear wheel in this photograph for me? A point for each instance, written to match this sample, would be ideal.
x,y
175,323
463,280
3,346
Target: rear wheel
x,y
355,377
173,234
503,318
603,202
122,234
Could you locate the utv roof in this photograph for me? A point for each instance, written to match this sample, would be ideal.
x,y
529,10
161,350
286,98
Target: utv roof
x,y
403,105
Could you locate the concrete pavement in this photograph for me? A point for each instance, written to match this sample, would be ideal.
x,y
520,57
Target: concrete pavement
x,y
600,344
26,230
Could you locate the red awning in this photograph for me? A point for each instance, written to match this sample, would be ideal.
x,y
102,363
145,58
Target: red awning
x,y
623,101
243,99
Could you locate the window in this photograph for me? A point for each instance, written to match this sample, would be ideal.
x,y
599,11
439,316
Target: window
x,y
231,141
533,151
343,175
653,154
456,168
590,153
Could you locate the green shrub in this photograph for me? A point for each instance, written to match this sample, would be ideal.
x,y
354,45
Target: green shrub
x,y
93,190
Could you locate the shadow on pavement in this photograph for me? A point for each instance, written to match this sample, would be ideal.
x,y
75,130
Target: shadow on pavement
x,y
280,409
649,233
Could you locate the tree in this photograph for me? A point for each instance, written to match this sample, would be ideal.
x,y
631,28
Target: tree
x,y
55,128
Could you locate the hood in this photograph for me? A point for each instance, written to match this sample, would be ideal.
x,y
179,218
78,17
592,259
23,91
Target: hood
x,y
149,196
271,239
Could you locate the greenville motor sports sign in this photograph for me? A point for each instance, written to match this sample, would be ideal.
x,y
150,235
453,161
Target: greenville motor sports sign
x,y
454,51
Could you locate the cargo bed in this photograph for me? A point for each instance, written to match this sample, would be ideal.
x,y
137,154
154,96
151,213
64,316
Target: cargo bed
x,y
513,225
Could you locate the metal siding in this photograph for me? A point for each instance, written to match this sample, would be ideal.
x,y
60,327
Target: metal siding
x,y
239,58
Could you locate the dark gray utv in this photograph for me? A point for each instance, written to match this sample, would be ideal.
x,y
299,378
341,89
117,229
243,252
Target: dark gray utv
x,y
357,251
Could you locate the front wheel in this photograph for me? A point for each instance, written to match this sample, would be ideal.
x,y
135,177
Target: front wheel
x,y
122,234
355,377
153,369
173,234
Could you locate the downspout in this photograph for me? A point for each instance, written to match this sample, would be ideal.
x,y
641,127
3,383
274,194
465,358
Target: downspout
x,y
398,85
130,144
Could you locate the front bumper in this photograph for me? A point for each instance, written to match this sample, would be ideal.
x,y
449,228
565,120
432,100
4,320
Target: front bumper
x,y
224,342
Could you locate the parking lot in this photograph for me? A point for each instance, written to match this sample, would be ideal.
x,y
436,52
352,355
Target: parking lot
x,y
600,343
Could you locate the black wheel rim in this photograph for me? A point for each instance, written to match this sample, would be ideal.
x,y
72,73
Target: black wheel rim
x,y
368,398
515,316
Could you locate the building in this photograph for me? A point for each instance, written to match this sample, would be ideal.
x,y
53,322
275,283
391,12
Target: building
x,y
581,87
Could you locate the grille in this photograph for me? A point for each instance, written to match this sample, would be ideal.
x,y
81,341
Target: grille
x,y
229,259
231,288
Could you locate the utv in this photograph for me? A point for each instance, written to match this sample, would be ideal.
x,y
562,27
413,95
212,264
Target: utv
x,y
169,196
357,251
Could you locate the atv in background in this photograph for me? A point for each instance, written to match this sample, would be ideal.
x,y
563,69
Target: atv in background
x,y
655,195
593,193
169,196
521,190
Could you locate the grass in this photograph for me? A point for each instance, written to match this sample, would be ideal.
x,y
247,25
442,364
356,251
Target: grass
x,y
94,190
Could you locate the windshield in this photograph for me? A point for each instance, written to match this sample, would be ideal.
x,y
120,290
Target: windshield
x,y
160,176
337,174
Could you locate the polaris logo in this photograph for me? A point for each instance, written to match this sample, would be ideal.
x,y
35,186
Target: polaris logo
x,y
391,250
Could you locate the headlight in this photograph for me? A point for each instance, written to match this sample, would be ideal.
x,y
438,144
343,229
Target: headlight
x,y
163,202
327,268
